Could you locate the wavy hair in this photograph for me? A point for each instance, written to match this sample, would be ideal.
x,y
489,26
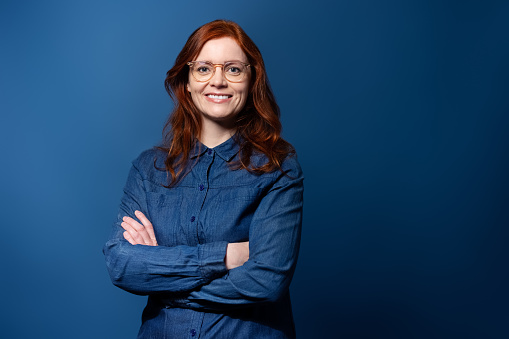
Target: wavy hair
x,y
258,125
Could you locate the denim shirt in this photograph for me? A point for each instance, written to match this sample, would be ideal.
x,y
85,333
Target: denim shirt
x,y
191,293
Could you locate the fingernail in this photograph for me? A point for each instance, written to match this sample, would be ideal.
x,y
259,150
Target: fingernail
x,y
137,212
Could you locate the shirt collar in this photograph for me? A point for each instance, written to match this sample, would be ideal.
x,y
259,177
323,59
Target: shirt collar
x,y
226,151
197,150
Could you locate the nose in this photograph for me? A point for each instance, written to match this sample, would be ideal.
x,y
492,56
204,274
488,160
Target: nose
x,y
218,79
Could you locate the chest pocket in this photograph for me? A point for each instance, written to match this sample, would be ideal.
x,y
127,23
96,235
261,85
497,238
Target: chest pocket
x,y
164,213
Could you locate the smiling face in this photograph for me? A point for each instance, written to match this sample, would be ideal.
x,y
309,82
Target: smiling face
x,y
219,100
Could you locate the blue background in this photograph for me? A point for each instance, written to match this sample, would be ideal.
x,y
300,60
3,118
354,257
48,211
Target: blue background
x,y
398,110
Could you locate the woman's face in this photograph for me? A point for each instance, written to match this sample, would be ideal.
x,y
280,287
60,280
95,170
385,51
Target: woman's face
x,y
219,100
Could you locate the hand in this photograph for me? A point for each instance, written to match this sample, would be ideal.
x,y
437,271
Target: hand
x,y
237,253
139,234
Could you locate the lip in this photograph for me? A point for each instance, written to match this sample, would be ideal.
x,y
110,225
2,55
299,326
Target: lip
x,y
218,101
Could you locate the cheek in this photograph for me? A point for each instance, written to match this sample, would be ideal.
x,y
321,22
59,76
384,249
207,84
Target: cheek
x,y
195,87
245,95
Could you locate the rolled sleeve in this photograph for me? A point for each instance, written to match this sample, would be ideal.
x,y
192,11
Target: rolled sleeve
x,y
144,269
211,258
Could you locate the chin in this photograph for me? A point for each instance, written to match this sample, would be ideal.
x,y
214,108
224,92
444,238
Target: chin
x,y
223,118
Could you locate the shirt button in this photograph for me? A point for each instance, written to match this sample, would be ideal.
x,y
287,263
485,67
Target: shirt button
x,y
193,218
193,332
209,151
202,187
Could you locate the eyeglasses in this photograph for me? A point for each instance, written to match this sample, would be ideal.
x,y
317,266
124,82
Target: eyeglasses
x,y
233,71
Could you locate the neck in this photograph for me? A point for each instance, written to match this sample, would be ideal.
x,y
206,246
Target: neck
x,y
214,133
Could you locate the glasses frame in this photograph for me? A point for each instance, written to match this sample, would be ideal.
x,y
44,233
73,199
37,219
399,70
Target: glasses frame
x,y
214,66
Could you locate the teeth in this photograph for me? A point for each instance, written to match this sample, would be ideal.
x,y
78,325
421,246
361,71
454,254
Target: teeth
x,y
217,96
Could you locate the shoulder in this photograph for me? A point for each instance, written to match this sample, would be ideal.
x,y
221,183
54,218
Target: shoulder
x,y
149,159
290,169
292,166
291,174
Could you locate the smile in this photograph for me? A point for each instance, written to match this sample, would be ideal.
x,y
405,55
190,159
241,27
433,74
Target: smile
x,y
213,96
218,98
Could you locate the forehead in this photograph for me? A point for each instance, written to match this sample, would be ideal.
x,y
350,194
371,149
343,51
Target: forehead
x,y
220,50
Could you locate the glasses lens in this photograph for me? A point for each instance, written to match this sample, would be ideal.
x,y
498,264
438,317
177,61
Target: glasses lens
x,y
234,71
202,71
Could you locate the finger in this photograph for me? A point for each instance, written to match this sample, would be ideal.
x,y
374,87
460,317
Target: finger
x,y
142,236
129,238
138,236
133,234
127,227
148,226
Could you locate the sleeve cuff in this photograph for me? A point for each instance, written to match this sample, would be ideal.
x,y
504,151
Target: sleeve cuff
x,y
211,257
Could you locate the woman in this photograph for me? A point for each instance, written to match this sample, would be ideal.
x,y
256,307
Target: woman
x,y
209,224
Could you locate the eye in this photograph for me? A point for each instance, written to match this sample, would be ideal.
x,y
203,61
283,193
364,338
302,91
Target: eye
x,y
234,69
203,69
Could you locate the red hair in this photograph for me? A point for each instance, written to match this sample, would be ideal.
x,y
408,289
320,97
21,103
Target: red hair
x,y
258,125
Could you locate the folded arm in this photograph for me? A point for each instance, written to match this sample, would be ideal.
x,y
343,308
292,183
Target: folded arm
x,y
142,233
273,243
142,269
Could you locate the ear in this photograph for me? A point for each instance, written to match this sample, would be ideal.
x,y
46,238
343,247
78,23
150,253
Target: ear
x,y
188,88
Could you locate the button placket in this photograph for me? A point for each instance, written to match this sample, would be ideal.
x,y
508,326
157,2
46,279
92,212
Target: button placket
x,y
201,194
195,325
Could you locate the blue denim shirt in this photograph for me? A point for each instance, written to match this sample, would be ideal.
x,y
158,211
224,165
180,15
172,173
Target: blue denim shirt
x,y
191,293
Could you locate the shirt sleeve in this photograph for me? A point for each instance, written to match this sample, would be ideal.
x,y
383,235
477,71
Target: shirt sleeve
x,y
274,240
144,269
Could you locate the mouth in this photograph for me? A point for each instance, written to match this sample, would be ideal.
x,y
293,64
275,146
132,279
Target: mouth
x,y
218,98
